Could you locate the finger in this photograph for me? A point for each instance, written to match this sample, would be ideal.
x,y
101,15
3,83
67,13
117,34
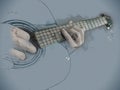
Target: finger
x,y
13,34
82,39
71,23
69,38
18,54
77,28
25,45
21,33
75,33
81,32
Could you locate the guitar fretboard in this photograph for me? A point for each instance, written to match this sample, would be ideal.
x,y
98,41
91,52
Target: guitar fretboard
x,y
51,35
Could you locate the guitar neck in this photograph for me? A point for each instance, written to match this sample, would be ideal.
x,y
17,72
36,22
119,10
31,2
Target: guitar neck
x,y
51,35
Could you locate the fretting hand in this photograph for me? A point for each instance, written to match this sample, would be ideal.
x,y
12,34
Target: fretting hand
x,y
74,36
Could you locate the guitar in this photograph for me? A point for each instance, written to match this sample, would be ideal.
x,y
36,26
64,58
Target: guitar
x,y
42,37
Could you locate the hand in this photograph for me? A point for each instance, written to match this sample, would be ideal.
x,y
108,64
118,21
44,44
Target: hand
x,y
21,39
74,36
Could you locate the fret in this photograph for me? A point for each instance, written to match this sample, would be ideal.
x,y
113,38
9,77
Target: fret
x,y
82,25
89,24
85,25
99,21
95,22
102,20
92,24
51,35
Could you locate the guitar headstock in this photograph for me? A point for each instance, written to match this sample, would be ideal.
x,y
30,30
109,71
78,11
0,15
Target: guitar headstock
x,y
109,21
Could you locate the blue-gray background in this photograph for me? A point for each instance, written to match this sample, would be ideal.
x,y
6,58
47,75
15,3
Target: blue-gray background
x,y
96,68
